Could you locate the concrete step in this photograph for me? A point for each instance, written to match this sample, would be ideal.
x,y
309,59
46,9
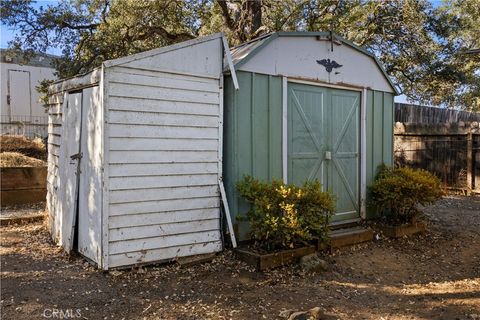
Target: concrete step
x,y
349,236
345,224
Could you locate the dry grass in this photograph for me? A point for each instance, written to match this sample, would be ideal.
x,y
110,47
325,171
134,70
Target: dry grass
x,y
15,159
34,148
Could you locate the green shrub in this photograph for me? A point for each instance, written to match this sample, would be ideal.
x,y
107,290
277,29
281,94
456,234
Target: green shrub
x,y
398,192
286,216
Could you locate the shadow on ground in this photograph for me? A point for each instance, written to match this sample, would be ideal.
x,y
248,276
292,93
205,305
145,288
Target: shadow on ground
x,y
433,276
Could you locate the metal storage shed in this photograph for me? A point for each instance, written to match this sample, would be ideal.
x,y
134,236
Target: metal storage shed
x,y
311,105
136,146
135,156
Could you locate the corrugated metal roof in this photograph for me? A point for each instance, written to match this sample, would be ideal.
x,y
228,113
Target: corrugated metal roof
x,y
243,50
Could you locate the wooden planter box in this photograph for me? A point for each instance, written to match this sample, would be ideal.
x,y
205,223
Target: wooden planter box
x,y
320,245
272,260
403,230
23,185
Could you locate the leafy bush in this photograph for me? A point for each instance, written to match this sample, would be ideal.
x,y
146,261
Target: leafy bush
x,y
286,216
398,192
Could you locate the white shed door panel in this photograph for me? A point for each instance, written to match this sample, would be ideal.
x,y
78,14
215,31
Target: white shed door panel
x,y
19,92
164,155
68,168
90,184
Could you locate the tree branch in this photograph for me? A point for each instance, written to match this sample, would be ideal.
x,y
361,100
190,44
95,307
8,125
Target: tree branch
x,y
156,30
226,15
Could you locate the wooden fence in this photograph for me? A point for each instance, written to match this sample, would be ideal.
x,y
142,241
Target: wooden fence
x,y
422,114
449,150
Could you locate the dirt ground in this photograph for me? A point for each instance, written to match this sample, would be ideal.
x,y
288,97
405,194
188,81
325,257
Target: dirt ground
x,y
433,276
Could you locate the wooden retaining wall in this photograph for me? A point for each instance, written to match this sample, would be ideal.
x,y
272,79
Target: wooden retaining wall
x,y
23,185
449,150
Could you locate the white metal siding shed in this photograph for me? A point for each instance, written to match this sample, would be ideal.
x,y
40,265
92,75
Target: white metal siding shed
x,y
149,137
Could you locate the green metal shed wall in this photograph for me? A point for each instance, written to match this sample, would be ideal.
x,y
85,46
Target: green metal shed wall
x,y
253,135
380,122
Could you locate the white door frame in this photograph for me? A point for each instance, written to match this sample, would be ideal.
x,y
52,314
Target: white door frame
x,y
9,94
363,133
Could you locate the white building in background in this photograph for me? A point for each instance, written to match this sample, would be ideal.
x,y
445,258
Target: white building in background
x,y
21,110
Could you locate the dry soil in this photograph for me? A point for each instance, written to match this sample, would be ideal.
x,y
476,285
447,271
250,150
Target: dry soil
x,y
432,276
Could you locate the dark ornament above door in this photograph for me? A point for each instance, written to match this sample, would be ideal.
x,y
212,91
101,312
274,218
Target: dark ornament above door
x,y
329,64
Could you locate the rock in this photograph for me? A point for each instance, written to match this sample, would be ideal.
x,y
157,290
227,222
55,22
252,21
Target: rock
x,y
299,315
312,314
286,313
315,313
313,263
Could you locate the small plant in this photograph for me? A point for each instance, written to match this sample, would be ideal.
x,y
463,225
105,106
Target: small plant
x,y
286,216
397,193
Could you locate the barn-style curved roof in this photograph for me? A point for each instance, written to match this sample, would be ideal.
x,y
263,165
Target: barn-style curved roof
x,y
243,53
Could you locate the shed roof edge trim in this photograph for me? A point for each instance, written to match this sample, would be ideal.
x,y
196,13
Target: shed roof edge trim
x,y
76,82
149,53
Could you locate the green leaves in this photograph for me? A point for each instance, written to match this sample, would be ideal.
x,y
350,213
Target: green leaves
x,y
286,216
423,48
398,192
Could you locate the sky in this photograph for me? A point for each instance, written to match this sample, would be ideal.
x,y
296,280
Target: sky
x,y
8,34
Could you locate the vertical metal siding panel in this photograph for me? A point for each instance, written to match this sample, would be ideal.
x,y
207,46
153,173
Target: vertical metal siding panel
x,y
370,148
243,137
260,127
269,126
254,137
233,144
243,142
252,122
369,142
388,123
275,133
228,138
379,135
377,130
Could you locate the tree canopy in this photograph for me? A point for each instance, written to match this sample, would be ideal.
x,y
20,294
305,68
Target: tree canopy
x,y
424,49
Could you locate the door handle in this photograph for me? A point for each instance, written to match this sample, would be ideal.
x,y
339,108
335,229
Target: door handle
x,y
328,155
77,156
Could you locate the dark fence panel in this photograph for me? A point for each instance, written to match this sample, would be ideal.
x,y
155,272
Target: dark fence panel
x,y
476,161
445,156
442,149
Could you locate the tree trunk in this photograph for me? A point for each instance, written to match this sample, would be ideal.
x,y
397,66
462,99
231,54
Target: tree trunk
x,y
256,12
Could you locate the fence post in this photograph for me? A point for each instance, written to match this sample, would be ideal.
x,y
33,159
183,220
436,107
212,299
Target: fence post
x,y
469,161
